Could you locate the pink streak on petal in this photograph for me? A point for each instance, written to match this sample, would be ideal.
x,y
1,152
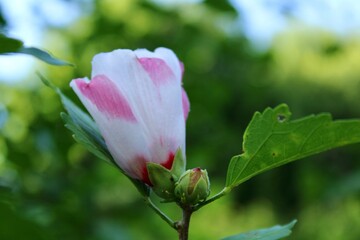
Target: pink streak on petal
x,y
169,162
157,69
182,69
141,162
104,94
185,104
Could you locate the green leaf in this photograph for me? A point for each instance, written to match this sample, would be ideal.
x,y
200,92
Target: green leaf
x,y
44,56
85,138
87,133
273,233
84,128
8,45
272,140
13,46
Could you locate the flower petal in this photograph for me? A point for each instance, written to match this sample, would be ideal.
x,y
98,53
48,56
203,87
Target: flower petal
x,y
185,103
123,136
104,94
166,55
158,70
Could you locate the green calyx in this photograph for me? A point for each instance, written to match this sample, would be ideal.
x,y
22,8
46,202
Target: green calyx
x,y
163,179
193,186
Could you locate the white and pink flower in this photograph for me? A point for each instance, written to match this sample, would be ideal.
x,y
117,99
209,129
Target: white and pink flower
x,y
139,105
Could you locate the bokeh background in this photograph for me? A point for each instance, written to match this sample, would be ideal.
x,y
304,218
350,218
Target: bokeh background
x,y
239,56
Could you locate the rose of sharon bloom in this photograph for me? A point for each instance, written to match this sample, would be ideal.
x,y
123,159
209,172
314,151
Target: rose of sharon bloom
x,y
139,105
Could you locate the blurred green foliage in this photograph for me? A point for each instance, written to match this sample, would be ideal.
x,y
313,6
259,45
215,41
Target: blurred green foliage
x,y
52,188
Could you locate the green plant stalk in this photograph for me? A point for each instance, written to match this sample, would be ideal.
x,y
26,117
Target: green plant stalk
x,y
222,193
182,226
168,220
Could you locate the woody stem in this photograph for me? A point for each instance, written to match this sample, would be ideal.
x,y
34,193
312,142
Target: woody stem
x,y
183,225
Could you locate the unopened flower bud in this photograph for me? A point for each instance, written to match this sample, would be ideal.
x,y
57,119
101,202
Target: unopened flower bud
x,y
193,186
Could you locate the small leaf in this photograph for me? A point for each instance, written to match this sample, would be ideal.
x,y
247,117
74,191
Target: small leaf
x,y
44,56
13,46
83,137
272,140
273,233
84,128
86,132
9,44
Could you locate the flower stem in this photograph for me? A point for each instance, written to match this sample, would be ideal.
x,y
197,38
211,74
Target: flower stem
x,y
222,193
160,213
183,225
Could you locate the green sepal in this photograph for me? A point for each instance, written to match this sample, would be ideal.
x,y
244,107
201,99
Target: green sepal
x,y
179,165
163,181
